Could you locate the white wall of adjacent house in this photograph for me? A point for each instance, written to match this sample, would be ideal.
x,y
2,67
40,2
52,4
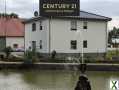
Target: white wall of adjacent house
x,y
61,36
19,41
37,36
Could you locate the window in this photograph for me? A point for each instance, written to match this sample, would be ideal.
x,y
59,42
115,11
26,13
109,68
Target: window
x,y
73,25
85,44
73,44
41,27
85,25
15,45
33,45
34,27
41,44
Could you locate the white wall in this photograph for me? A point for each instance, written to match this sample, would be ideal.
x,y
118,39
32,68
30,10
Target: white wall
x,y
37,36
10,41
61,35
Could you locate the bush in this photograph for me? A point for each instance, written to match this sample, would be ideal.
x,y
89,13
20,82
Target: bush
x,y
31,56
7,51
28,57
111,54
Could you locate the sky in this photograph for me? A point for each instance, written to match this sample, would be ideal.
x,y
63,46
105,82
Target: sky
x,y
25,8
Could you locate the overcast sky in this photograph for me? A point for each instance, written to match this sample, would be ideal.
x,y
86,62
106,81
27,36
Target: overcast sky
x,y
25,8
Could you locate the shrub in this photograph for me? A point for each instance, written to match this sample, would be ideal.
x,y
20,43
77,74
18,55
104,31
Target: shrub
x,y
8,51
111,54
28,57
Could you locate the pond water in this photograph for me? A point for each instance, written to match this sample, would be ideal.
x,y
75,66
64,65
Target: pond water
x,y
52,80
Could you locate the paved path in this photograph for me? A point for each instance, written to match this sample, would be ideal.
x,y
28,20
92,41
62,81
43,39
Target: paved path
x,y
98,64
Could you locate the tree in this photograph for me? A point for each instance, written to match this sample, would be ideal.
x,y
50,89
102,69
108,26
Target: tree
x,y
114,33
9,15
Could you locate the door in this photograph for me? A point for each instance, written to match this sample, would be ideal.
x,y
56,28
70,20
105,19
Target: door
x,y
34,46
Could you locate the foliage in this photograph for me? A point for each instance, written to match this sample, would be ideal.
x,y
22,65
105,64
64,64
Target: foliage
x,y
7,51
31,56
114,33
28,56
9,15
111,54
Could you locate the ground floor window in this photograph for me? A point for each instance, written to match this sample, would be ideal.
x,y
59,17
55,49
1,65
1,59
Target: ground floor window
x,y
34,45
15,45
85,44
73,44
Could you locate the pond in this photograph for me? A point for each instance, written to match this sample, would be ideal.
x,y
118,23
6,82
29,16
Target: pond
x,y
52,80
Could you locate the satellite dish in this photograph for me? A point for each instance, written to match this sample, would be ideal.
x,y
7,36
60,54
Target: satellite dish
x,y
36,14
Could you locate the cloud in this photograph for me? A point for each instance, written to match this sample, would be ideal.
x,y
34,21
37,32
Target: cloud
x,y
114,22
105,7
23,8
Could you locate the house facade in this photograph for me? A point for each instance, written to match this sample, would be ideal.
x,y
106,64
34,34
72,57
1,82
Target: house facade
x,y
68,34
11,33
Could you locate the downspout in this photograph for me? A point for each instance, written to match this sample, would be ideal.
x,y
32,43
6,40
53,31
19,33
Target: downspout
x,y
49,35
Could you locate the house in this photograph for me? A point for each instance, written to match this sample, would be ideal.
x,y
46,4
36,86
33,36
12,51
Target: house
x,y
11,32
67,34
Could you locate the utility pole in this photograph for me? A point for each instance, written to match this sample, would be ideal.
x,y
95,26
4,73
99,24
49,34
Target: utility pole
x,y
5,12
5,7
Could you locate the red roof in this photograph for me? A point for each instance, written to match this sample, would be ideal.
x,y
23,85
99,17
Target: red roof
x,y
11,27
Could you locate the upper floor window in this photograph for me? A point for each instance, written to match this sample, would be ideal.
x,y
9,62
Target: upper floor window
x,y
85,44
85,25
73,25
34,27
73,44
41,27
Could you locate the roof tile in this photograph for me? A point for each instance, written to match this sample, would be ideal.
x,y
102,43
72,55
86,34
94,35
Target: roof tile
x,y
11,27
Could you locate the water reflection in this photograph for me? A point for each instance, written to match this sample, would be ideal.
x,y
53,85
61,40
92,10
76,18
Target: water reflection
x,y
52,80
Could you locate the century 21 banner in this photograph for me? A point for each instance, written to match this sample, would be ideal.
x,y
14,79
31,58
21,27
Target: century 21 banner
x,y
59,7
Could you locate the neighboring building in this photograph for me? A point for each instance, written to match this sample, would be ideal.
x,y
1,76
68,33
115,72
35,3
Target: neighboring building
x,y
115,42
63,34
11,33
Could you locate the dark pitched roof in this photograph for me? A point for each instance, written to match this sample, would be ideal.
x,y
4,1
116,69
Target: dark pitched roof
x,y
87,15
83,16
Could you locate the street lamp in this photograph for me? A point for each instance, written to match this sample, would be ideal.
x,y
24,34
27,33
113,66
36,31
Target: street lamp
x,y
79,32
83,82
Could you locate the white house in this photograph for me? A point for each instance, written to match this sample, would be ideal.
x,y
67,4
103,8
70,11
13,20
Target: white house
x,y
67,34
11,33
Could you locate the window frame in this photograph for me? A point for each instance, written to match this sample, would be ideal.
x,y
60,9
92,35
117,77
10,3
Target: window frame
x,y
33,27
85,44
41,26
73,25
85,25
33,44
15,45
73,44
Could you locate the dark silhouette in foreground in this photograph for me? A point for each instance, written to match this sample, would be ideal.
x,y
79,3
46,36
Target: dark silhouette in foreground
x,y
83,83
53,54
